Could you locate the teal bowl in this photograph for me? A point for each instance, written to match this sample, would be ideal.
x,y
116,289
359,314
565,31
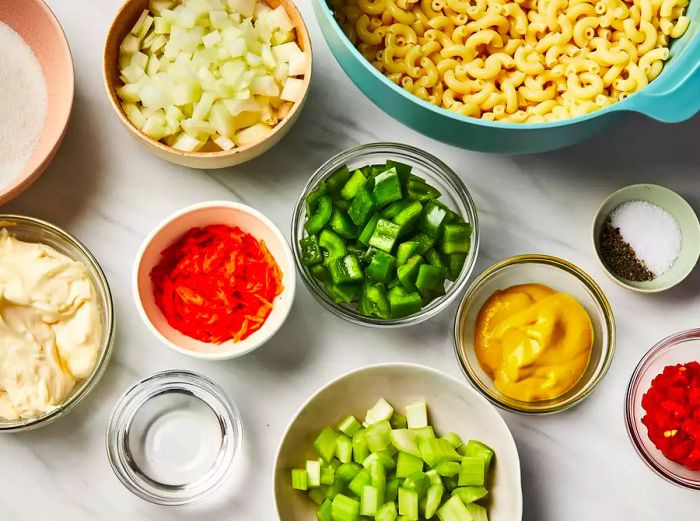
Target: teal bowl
x,y
671,98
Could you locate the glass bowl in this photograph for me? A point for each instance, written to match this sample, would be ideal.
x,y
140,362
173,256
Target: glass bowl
x,y
676,349
562,276
30,229
454,194
173,437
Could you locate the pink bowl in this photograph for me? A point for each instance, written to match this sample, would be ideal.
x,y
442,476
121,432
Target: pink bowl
x,y
37,25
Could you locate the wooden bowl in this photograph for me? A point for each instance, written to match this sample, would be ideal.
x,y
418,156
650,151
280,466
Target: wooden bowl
x,y
122,24
38,27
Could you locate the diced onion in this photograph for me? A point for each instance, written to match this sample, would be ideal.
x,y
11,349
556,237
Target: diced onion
x,y
196,71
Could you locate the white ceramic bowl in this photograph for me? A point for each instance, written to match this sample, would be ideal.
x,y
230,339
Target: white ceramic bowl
x,y
452,406
171,229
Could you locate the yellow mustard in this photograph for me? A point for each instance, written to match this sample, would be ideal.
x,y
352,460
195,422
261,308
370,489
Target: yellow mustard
x,y
533,341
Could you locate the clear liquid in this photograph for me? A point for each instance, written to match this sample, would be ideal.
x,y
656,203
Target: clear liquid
x,y
175,438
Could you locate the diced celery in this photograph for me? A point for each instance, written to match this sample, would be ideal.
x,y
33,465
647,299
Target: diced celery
x,y
408,503
477,512
417,415
454,510
299,479
377,475
387,512
447,468
343,448
407,464
345,508
433,499
324,512
398,421
417,481
382,457
327,475
426,433
347,471
349,426
378,435
369,501
470,494
437,450
360,450
380,412
335,488
361,480
453,439
313,470
477,449
472,471
392,489
405,441
318,495
325,444
451,483
434,477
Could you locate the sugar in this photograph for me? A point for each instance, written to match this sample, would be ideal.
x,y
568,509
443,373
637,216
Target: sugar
x,y
652,233
23,104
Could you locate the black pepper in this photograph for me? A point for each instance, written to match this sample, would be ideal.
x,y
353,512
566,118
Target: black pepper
x,y
620,257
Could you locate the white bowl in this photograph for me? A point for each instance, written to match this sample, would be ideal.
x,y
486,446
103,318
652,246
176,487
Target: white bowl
x,y
453,406
171,229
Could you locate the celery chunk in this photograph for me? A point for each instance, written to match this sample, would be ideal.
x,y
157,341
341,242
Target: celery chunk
x,y
387,512
432,500
470,494
475,448
408,503
472,471
477,512
369,501
343,448
381,411
417,415
454,510
347,471
325,444
405,441
345,508
437,450
324,512
349,426
378,435
407,464
360,450
359,482
300,479
313,471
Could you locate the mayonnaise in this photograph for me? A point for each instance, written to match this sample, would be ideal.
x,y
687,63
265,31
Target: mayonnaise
x,y
50,327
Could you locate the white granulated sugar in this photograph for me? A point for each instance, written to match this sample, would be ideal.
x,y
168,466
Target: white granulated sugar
x,y
652,233
23,104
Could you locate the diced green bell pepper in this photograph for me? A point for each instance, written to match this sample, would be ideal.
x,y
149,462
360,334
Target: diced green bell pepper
x,y
435,258
310,251
357,180
404,303
425,242
405,251
319,216
387,187
368,230
311,200
381,267
336,181
419,190
392,210
319,272
342,293
345,269
408,273
430,279
455,263
375,302
432,218
362,207
455,238
342,225
408,217
385,235
332,243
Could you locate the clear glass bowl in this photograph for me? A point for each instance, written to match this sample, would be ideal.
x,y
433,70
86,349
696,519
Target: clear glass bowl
x,y
679,348
454,194
30,229
173,437
562,276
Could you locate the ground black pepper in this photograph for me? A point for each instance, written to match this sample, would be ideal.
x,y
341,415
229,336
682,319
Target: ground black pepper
x,y
620,257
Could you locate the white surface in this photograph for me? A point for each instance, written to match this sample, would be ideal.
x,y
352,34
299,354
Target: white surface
x,y
577,466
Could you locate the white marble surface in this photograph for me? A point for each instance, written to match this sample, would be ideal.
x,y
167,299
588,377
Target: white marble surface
x,y
104,188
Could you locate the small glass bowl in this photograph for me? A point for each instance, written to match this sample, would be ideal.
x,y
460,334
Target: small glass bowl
x,y
562,276
34,230
679,348
173,437
454,194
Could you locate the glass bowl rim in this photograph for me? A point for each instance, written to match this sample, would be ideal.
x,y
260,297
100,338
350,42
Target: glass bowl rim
x,y
107,344
457,190
149,387
608,349
665,344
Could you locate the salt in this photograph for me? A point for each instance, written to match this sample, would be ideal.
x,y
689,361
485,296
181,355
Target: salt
x,y
651,231
23,104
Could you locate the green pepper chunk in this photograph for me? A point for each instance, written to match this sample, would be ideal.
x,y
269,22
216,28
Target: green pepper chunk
x,y
425,242
332,243
320,215
342,293
310,251
345,269
405,251
408,273
381,266
319,272
356,181
342,204
375,302
393,283
362,207
435,258
387,187
419,190
430,279
408,217
402,169
312,198
337,180
432,218
385,235
455,238
403,303
393,209
368,230
455,262
342,225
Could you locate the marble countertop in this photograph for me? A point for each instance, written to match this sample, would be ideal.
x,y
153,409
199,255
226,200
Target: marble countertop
x,y
107,190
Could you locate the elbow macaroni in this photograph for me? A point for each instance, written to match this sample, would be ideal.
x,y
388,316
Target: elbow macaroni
x,y
521,61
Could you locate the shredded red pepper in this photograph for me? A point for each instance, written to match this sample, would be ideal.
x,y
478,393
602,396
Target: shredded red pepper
x,y
672,406
216,283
